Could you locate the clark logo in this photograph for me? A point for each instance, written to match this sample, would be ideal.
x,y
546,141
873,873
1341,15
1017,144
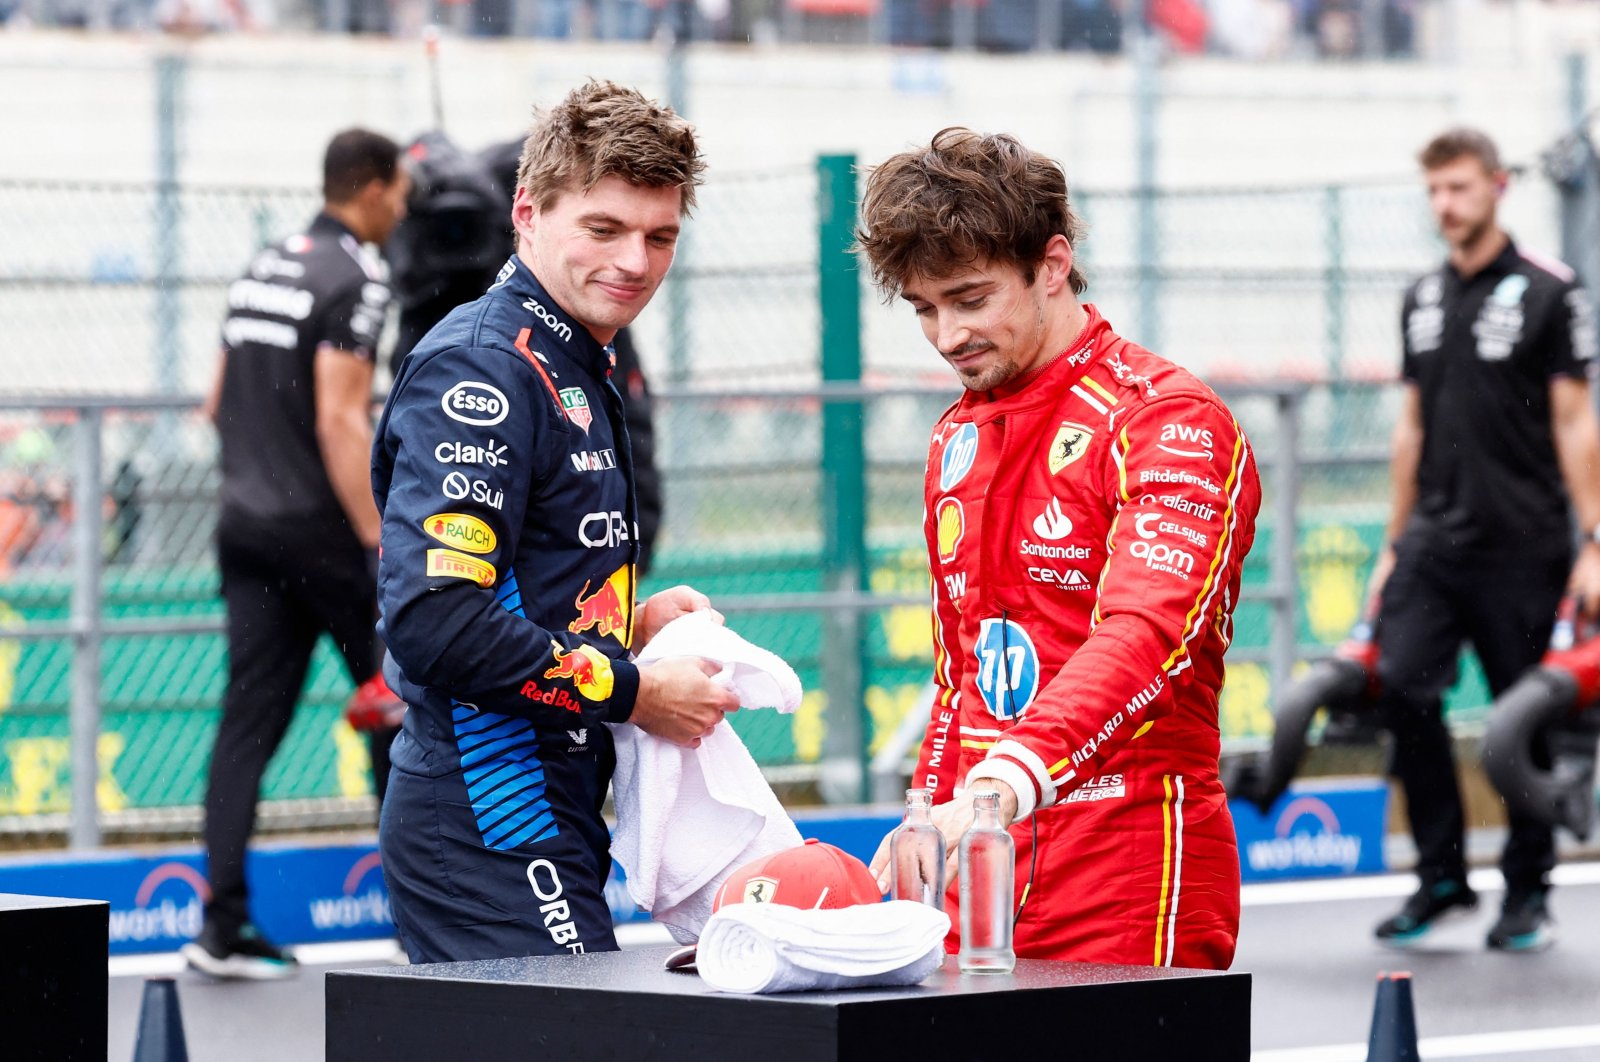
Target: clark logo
x,y
461,531
449,564
587,667
1071,442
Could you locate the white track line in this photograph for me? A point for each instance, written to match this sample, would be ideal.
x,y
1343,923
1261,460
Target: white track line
x,y
1477,1045
1387,885
345,953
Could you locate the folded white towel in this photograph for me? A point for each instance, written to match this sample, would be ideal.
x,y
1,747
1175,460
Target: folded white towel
x,y
687,818
768,947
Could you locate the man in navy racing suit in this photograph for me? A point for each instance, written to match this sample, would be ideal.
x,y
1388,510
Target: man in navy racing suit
x,y
503,474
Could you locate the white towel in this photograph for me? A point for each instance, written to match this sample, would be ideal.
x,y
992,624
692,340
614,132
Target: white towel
x,y
768,947
687,818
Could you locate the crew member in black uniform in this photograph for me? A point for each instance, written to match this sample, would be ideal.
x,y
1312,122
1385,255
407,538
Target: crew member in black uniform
x,y
1496,434
503,474
298,532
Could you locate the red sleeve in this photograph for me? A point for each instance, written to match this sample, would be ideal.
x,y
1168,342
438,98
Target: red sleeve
x,y
1185,494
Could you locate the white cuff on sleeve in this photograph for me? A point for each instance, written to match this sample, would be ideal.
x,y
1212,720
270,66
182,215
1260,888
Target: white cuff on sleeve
x,y
1011,774
1016,750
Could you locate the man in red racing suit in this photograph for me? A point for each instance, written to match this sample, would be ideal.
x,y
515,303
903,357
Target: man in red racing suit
x,y
1088,509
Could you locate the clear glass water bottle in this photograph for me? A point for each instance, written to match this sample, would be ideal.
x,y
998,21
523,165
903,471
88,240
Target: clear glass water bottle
x,y
988,880
916,854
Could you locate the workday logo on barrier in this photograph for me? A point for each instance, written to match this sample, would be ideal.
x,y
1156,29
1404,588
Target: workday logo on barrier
x,y
1306,837
364,902
168,907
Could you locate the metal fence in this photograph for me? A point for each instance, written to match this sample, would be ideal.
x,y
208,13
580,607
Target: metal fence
x,y
112,660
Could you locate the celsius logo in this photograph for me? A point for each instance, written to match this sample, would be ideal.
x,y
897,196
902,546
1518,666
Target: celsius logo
x,y
1052,524
472,402
551,321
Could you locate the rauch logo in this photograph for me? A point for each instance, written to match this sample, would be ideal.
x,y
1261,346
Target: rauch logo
x,y
1310,848
177,915
357,907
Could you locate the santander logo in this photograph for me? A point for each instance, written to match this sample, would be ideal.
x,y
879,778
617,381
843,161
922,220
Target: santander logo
x,y
1052,524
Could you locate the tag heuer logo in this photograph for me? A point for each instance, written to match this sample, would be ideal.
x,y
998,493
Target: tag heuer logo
x,y
576,404
759,890
1070,443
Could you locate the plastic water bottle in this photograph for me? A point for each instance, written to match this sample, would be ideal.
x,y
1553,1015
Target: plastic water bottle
x,y
988,880
916,854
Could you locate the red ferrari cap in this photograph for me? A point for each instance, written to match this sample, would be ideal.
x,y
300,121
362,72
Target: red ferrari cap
x,y
813,875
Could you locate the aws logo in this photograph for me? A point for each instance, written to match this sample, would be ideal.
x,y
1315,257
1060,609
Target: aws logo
x,y
1306,835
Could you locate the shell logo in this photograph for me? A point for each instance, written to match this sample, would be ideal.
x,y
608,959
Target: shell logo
x,y
952,525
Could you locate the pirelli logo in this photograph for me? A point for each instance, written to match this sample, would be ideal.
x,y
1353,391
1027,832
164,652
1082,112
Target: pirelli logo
x,y
449,564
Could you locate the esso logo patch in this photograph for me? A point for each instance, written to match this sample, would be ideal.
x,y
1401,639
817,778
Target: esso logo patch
x,y
959,454
1008,668
472,402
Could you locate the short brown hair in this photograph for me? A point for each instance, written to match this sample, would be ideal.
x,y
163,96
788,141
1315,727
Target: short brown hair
x,y
1461,142
964,199
602,129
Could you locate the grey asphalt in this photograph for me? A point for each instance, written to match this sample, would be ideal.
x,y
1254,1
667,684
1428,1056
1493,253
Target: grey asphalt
x,y
1314,965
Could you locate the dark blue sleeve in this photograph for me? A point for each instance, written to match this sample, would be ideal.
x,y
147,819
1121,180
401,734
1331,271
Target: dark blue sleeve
x,y
451,611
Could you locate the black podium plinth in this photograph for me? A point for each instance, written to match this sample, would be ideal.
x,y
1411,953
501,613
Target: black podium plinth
x,y
53,978
623,1005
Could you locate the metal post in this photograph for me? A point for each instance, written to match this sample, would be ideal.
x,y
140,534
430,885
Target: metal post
x,y
1333,279
964,25
167,353
843,479
1285,575
84,831
1147,108
678,308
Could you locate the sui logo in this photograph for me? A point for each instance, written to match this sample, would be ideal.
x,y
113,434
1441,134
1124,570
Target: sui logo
x,y
1008,668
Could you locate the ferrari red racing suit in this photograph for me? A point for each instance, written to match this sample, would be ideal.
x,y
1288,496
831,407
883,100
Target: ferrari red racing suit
x,y
1086,529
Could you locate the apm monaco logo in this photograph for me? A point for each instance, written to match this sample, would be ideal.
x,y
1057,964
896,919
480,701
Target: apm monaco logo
x,y
1307,837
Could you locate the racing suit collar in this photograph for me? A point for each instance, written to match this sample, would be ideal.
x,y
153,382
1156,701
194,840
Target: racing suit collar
x,y
517,281
1041,386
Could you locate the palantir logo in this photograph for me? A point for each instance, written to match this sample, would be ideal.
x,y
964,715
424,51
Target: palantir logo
x,y
1308,836
365,901
170,905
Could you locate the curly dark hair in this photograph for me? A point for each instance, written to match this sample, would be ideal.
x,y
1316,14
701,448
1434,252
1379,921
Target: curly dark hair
x,y
963,199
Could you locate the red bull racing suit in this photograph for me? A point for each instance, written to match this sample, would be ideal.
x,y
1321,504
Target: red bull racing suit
x,y
502,470
1086,532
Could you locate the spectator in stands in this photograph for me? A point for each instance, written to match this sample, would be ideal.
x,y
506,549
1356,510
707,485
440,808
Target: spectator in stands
x,y
1497,434
298,534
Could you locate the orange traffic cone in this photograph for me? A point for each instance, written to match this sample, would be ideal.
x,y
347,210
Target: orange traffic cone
x,y
160,1024
1394,1021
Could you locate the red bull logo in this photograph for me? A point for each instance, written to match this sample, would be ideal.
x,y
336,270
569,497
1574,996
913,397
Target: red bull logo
x,y
585,667
608,611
